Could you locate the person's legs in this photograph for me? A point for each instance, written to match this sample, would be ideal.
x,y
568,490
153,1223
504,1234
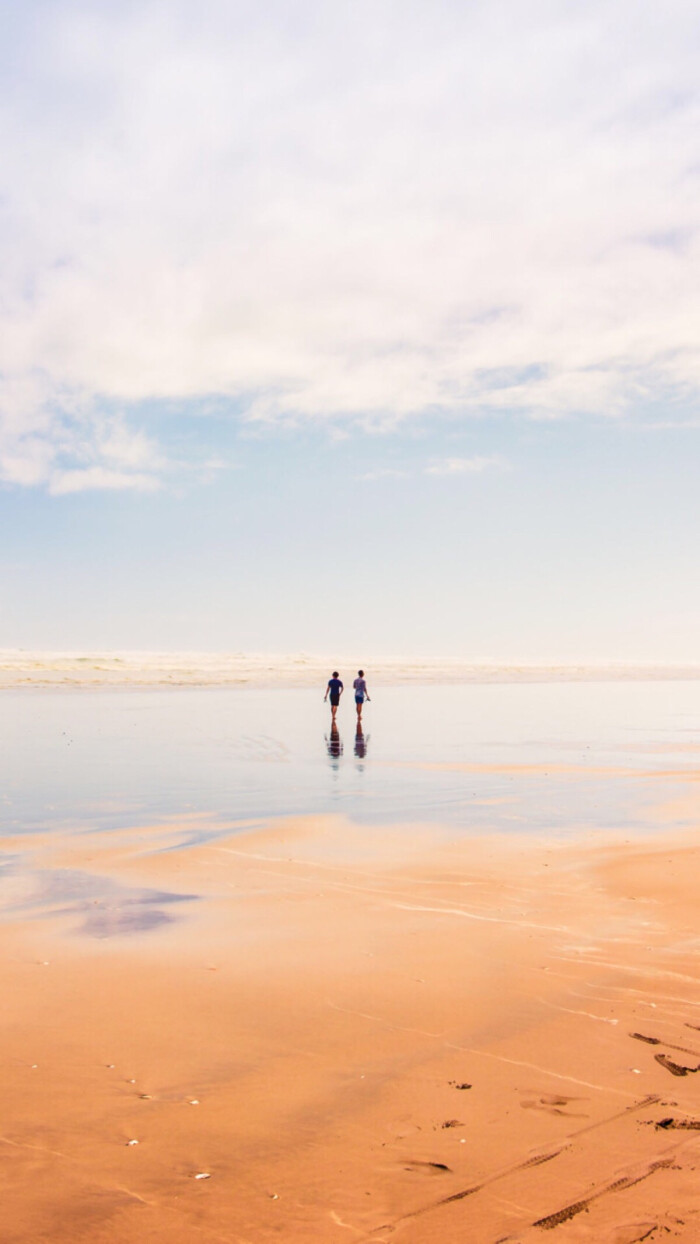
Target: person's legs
x,y
358,705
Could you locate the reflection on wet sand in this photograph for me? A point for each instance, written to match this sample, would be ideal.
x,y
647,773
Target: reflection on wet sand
x,y
102,906
334,743
361,741
153,754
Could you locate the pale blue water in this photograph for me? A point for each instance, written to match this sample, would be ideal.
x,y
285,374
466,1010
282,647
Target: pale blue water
x,y
103,759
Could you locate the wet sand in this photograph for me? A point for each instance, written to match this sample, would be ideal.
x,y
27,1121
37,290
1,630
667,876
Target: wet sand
x,y
349,1034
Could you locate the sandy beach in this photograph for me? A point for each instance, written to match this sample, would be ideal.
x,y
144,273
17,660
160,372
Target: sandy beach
x,y
320,1031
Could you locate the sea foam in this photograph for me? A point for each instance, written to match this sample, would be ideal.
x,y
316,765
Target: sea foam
x,y
20,668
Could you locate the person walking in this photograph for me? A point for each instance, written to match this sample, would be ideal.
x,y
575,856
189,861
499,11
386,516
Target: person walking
x,y
361,692
335,690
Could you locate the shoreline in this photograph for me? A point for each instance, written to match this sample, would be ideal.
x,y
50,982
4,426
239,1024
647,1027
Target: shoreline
x,y
143,670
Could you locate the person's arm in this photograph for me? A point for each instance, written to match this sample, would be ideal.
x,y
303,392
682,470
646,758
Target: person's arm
x,y
366,691
326,695
342,688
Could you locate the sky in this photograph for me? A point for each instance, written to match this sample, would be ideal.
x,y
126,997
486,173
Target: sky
x,y
331,327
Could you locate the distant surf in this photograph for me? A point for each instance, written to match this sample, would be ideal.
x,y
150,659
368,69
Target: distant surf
x,y
20,668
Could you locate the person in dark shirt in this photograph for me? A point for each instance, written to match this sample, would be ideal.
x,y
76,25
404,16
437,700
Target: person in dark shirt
x,y
335,690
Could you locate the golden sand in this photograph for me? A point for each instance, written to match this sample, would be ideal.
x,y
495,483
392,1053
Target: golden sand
x,y
352,1034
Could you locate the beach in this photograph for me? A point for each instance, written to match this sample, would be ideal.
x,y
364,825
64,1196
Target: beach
x,y
349,337
327,1026
356,1037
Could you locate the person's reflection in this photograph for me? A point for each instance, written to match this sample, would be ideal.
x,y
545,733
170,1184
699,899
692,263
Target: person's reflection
x,y
360,742
334,743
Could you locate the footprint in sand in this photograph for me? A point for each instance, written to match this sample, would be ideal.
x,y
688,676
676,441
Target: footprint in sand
x,y
675,1068
631,1233
554,1103
426,1168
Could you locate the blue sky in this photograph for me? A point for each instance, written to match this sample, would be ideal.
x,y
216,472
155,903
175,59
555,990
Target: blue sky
x,y
367,327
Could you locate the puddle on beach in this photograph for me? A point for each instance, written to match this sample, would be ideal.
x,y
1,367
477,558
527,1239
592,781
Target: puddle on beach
x,y
87,903
537,758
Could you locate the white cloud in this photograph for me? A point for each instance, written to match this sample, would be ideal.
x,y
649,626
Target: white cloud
x,y
64,444
367,211
439,466
98,477
384,473
462,466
